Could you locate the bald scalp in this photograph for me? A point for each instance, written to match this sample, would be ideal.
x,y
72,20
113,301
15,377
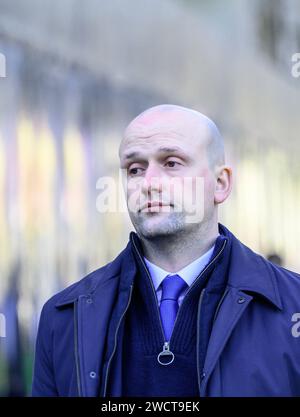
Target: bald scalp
x,y
152,118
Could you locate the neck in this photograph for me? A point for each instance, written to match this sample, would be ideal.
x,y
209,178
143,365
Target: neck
x,y
174,252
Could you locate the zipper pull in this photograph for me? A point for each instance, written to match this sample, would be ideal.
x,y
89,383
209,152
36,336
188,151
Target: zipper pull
x,y
165,352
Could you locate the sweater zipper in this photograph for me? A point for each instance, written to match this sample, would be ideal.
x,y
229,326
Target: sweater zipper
x,y
76,350
198,325
194,283
115,343
166,345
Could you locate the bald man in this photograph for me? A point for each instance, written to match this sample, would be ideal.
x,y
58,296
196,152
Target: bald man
x,y
186,309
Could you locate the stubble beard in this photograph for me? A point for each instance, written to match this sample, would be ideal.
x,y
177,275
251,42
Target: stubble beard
x,y
150,227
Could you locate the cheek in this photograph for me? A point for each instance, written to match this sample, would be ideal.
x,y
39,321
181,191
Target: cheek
x,y
133,187
209,191
133,196
208,178
207,185
196,190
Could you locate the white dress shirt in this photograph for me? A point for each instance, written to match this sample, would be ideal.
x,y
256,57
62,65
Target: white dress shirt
x,y
189,273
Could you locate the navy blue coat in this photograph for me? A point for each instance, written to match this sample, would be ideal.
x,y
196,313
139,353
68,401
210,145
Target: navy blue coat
x,y
254,347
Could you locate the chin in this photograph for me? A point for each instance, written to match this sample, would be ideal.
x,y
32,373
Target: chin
x,y
153,228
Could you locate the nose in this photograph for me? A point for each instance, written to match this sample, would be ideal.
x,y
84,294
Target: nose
x,y
152,180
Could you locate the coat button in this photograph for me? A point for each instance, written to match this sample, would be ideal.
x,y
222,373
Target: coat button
x,y
203,375
93,375
241,300
89,300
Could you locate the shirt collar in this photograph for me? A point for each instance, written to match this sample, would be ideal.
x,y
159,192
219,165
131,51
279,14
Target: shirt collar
x,y
189,273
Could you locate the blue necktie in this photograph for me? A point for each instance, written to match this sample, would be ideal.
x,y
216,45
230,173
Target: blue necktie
x,y
172,287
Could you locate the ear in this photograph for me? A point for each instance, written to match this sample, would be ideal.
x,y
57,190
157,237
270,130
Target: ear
x,y
223,184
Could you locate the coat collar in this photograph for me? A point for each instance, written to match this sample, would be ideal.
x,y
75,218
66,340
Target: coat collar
x,y
93,282
248,272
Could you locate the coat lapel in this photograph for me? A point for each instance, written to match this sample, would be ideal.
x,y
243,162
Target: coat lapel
x,y
94,303
250,277
231,310
93,315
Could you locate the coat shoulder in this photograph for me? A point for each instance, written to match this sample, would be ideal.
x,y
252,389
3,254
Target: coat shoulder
x,y
89,283
85,285
288,284
284,275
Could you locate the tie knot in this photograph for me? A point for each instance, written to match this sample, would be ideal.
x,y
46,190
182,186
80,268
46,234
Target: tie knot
x,y
172,286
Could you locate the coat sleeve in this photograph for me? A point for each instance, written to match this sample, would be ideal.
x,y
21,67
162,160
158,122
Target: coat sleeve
x,y
43,382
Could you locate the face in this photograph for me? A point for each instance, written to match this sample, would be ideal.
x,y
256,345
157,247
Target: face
x,y
169,184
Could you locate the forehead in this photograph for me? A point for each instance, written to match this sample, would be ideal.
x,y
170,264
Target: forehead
x,y
153,131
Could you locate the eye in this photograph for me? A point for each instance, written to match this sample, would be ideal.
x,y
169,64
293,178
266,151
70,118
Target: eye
x,y
172,163
133,171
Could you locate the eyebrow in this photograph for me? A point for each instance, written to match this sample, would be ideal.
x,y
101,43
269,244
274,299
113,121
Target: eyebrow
x,y
161,149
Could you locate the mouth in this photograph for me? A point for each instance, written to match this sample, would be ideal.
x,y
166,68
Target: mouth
x,y
154,206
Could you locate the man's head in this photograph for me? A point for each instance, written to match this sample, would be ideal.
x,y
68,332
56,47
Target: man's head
x,y
164,150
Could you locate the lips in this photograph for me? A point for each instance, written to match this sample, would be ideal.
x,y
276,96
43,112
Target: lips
x,y
151,204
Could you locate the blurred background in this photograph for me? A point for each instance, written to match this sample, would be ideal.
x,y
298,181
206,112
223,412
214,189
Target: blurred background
x,y
76,74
